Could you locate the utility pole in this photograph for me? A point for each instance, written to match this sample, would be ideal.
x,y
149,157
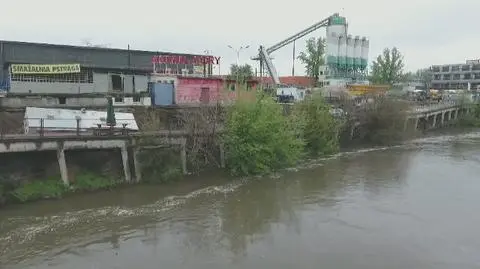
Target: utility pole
x,y
293,60
237,51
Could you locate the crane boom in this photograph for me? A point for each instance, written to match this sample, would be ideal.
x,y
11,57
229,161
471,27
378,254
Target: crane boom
x,y
268,62
299,35
264,54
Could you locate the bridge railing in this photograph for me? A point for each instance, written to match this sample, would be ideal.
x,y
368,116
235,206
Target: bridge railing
x,y
72,128
67,127
426,107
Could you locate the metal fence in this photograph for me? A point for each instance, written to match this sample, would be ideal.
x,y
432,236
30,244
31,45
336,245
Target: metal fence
x,y
67,127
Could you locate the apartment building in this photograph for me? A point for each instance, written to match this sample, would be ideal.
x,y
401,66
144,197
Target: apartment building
x,y
456,76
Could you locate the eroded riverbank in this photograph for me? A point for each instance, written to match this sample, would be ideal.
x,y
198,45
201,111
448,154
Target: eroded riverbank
x,y
394,207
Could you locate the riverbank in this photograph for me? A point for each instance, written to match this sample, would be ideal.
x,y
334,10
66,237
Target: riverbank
x,y
258,139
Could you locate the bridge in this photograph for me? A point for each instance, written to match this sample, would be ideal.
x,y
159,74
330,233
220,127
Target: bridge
x,y
130,145
437,115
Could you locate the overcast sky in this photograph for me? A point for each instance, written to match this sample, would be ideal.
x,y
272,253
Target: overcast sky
x,y
426,31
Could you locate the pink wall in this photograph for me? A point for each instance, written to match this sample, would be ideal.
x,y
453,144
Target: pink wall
x,y
189,90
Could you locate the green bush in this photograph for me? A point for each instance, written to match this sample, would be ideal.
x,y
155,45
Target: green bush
x,y
470,120
88,181
39,189
160,165
258,138
319,128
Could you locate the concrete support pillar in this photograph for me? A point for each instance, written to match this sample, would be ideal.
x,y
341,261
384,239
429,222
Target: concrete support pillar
x,y
405,125
434,120
126,163
443,119
450,115
416,123
183,156
456,114
62,163
137,166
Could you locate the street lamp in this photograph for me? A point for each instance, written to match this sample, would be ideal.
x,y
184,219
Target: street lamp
x,y
237,51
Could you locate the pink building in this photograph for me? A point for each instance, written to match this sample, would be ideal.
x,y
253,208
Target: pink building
x,y
194,90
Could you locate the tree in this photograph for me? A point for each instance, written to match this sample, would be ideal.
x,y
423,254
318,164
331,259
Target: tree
x,y
313,57
425,76
241,72
388,67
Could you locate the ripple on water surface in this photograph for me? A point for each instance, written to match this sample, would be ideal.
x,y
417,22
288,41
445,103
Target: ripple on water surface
x,y
354,203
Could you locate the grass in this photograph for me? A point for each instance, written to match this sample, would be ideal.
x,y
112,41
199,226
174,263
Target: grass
x,y
53,188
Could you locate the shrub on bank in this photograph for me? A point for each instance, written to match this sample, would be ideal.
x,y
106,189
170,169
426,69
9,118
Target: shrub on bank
x,y
258,138
470,120
319,129
160,165
384,120
53,188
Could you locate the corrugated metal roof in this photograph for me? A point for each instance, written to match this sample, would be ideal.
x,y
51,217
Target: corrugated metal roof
x,y
66,119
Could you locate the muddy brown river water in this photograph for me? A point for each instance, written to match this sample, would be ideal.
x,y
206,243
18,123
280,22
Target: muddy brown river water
x,y
409,206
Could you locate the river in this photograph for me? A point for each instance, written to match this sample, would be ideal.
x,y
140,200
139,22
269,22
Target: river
x,y
409,206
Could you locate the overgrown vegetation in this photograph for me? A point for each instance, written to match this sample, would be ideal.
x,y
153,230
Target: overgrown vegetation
x,y
381,119
472,119
158,163
52,188
260,138
319,129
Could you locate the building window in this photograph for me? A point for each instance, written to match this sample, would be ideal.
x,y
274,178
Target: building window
x,y
85,76
117,83
446,69
62,100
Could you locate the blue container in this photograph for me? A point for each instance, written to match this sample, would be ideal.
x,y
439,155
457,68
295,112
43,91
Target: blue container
x,y
162,94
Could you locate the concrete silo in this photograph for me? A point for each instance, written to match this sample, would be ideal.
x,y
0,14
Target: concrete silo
x,y
357,52
334,55
350,52
331,52
365,49
342,52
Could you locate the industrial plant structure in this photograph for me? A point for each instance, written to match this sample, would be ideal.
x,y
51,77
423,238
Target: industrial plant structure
x,y
346,56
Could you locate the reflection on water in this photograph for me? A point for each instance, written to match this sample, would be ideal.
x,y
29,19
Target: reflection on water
x,y
398,207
